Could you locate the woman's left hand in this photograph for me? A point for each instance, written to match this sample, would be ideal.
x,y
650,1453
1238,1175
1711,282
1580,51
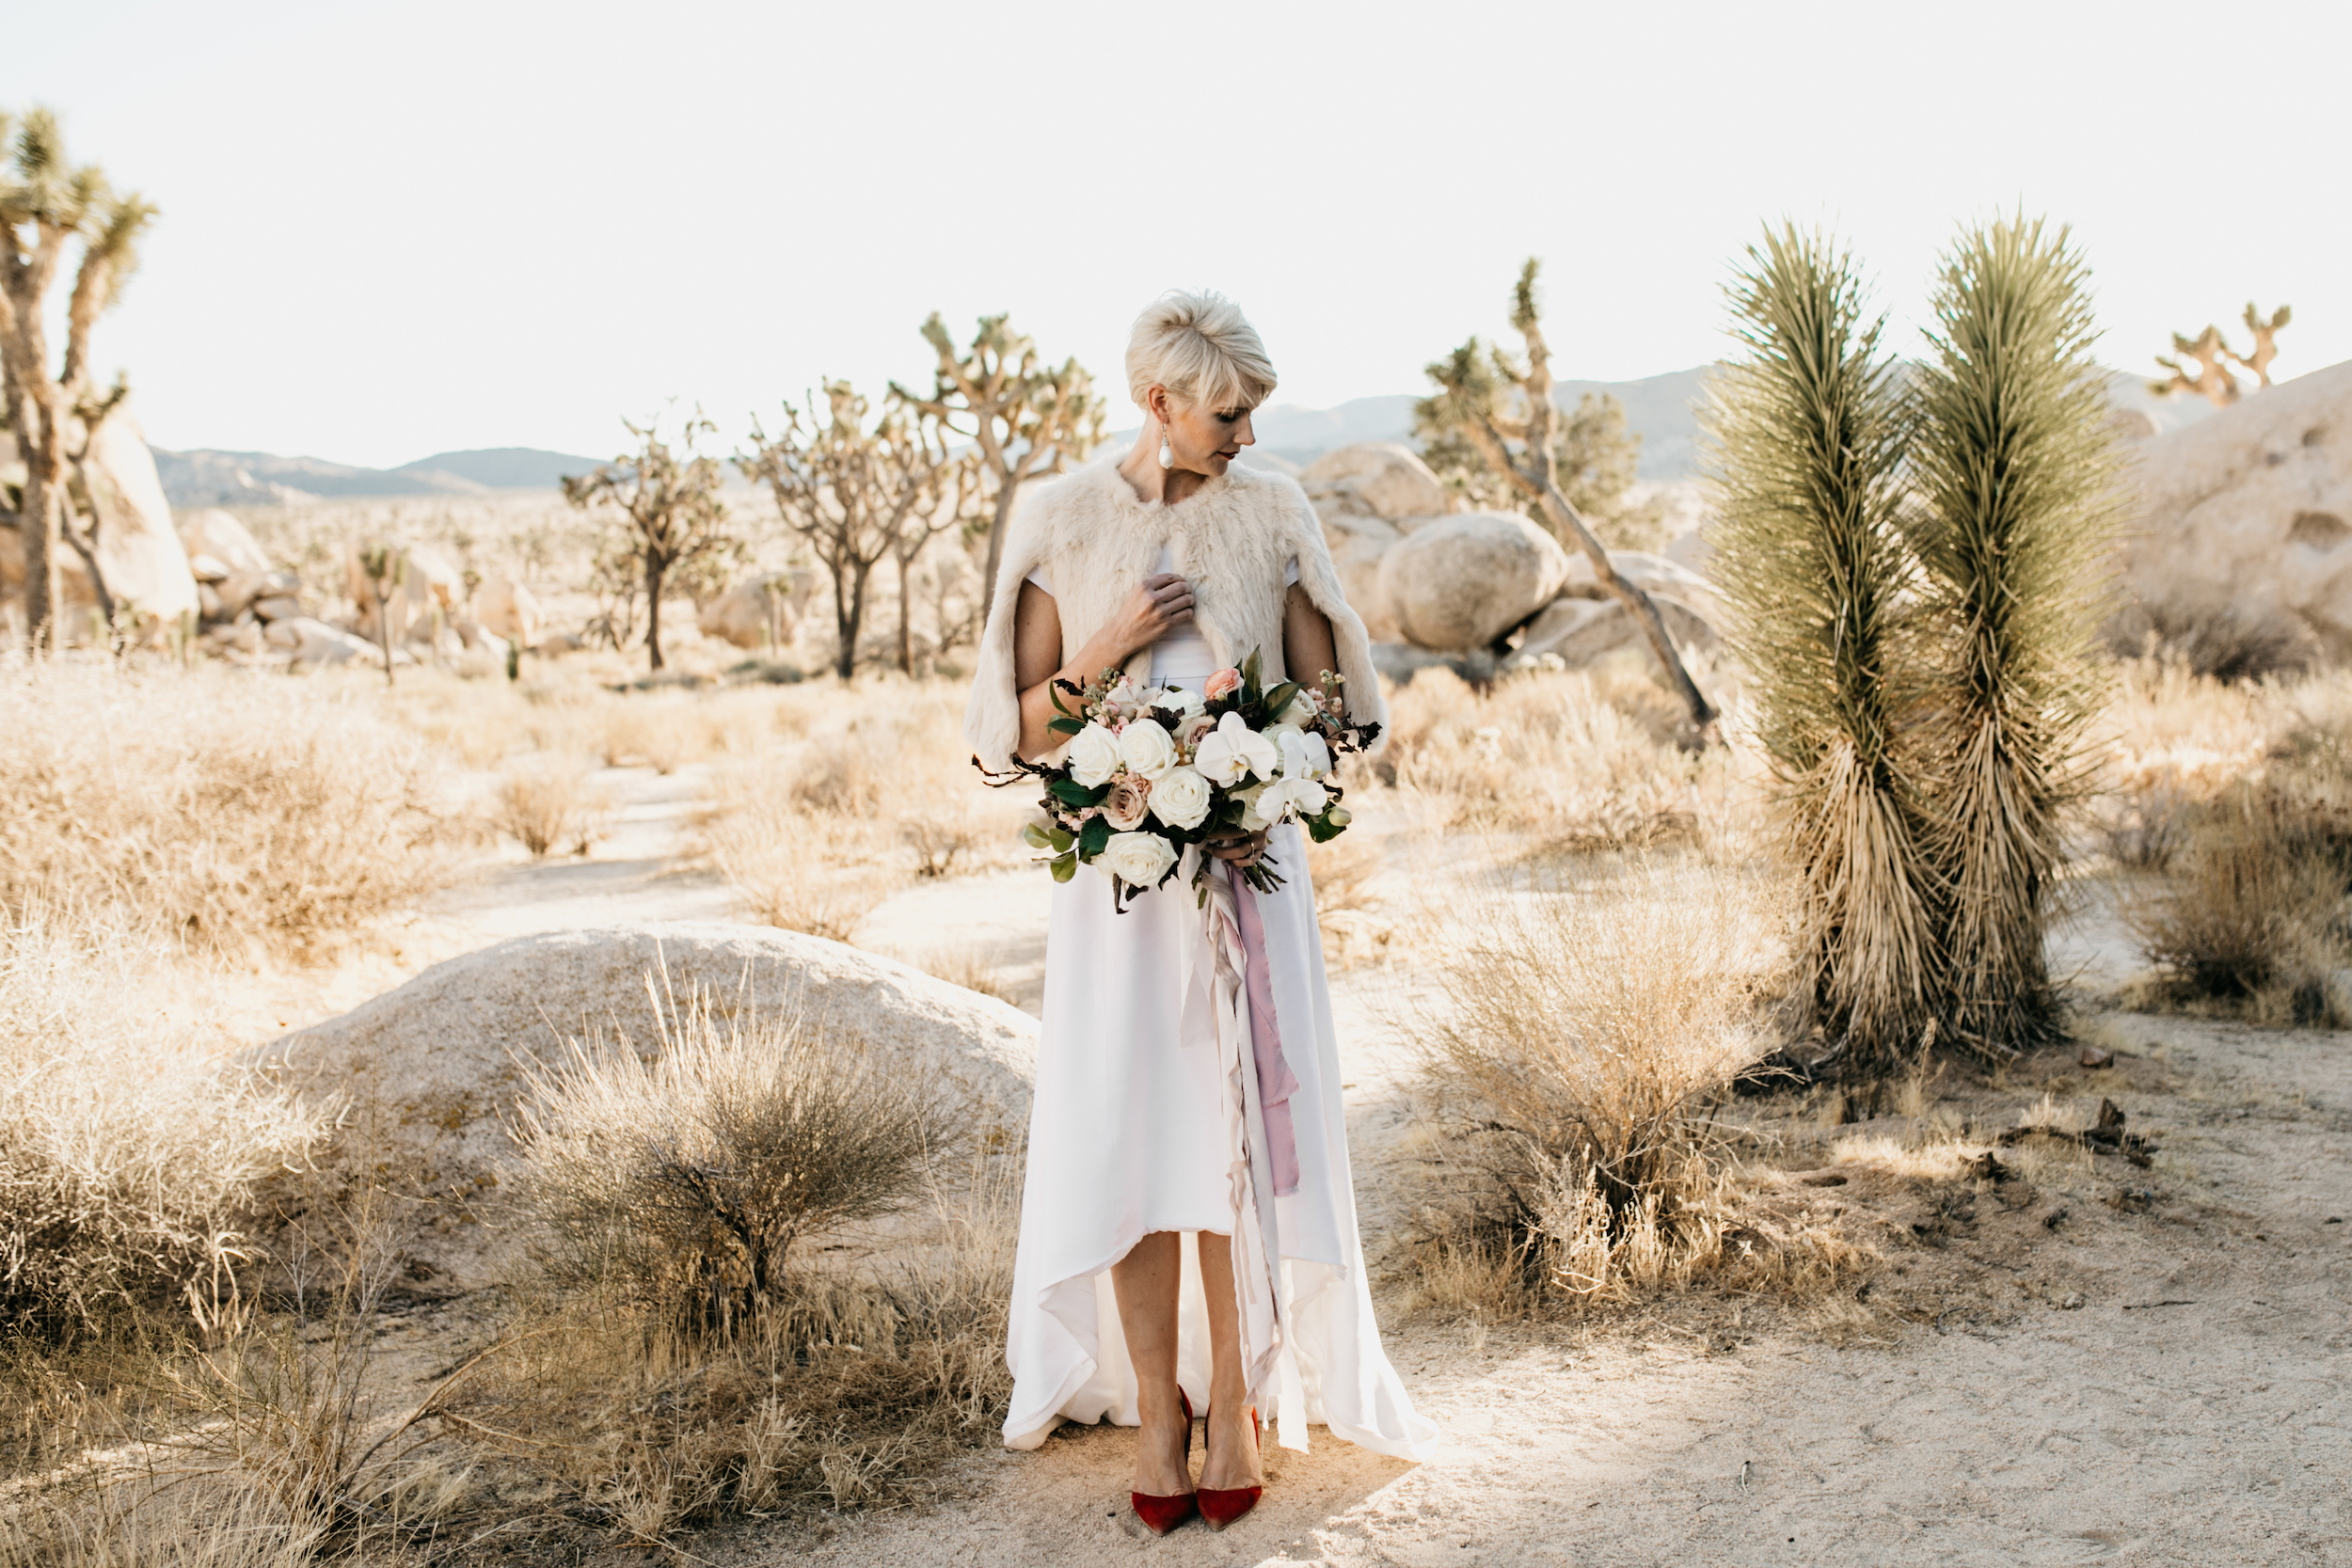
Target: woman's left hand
x,y
1239,852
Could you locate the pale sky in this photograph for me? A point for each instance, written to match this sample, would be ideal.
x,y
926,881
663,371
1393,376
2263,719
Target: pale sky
x,y
390,230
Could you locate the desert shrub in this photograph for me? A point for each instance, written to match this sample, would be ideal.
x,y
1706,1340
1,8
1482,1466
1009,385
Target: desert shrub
x,y
232,810
1574,760
130,1162
546,802
1586,1033
2253,912
683,1182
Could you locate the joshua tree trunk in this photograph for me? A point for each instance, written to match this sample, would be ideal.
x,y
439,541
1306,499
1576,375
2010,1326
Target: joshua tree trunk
x,y
654,567
849,610
906,616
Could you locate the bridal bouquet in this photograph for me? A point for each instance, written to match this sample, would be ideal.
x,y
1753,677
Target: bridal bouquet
x,y
1151,770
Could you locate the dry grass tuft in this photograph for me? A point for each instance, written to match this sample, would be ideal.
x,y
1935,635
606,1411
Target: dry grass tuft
x,y
231,812
679,1185
131,1160
1588,1034
1575,761
546,802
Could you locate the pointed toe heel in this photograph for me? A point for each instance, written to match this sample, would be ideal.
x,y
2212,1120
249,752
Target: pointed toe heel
x,y
1221,1505
1162,1515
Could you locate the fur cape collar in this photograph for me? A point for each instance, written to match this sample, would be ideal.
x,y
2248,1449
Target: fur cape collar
x,y
1232,539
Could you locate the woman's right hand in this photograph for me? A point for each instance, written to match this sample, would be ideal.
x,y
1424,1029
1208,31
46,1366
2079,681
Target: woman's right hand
x,y
1163,603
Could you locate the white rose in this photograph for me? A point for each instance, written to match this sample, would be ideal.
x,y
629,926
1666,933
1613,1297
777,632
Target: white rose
x,y
1175,700
1288,798
1138,860
1233,750
1093,756
1299,711
1250,821
1180,798
1147,748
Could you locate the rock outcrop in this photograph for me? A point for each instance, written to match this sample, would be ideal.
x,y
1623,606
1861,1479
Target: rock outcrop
x,y
2244,526
508,609
1368,498
138,551
1459,582
432,1070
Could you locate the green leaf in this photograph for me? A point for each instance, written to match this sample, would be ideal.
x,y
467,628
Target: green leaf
x,y
1322,830
1065,867
1059,837
1035,836
1279,699
1070,792
1096,834
1065,726
1249,672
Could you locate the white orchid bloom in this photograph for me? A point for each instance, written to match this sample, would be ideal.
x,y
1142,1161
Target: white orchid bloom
x,y
1288,799
1305,756
1233,751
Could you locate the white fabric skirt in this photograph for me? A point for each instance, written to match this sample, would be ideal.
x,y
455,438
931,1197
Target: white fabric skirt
x,y
1129,1135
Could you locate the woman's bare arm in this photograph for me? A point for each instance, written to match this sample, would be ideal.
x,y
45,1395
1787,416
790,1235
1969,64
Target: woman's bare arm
x,y
1164,601
1309,650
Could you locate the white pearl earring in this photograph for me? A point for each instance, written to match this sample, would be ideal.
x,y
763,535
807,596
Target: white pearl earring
x,y
1167,457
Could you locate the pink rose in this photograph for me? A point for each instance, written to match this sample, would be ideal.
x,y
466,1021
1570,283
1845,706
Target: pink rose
x,y
1223,684
1125,806
1188,733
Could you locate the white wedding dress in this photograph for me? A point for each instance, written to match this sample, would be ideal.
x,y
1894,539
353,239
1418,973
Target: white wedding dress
x,y
1132,1133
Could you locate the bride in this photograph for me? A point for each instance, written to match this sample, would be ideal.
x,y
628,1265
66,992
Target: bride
x,y
1151,1284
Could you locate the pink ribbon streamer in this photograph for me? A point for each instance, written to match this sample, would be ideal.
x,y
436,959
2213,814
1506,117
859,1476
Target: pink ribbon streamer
x,y
1276,1082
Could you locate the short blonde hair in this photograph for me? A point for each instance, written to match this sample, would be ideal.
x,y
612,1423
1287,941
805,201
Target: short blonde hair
x,y
1202,349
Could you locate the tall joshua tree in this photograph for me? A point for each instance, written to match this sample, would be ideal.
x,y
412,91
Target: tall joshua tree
x,y
2014,471
47,205
1806,436
675,524
1523,450
1026,418
854,494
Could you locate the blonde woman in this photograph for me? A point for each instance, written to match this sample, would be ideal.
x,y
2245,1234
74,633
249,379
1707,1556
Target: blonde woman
x,y
1170,1262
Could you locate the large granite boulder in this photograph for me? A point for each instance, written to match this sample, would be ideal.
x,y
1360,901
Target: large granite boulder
x,y
1576,631
1654,574
432,1072
1459,582
1368,496
138,550
507,610
2244,526
221,536
748,612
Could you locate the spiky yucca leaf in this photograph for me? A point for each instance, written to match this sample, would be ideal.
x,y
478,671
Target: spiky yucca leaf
x,y
2014,475
1804,433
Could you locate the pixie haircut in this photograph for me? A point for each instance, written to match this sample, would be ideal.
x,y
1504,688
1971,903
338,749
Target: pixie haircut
x,y
1202,349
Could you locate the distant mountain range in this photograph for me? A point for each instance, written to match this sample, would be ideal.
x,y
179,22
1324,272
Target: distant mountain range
x,y
1661,409
260,479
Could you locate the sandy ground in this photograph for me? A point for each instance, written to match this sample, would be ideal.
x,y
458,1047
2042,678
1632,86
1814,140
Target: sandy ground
x,y
2157,1376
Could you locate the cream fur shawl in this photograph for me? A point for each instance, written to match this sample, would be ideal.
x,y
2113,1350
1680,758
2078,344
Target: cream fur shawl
x,y
1232,539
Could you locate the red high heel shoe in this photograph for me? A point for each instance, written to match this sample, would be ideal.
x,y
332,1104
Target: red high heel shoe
x,y
1221,1505
1162,1515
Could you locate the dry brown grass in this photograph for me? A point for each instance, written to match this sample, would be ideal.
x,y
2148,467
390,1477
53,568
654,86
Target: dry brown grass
x,y
132,1160
1586,1033
546,802
1573,760
677,1174
232,813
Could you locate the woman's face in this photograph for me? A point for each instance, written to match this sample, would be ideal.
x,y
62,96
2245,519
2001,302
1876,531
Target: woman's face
x,y
1202,439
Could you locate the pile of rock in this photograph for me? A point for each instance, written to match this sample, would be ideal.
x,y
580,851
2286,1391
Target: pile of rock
x,y
2241,550
1431,580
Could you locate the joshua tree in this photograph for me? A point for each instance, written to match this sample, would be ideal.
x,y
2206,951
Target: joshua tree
x,y
943,505
46,206
2265,341
1524,452
1594,458
2213,380
677,524
385,565
849,491
1026,419
1806,433
2013,470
